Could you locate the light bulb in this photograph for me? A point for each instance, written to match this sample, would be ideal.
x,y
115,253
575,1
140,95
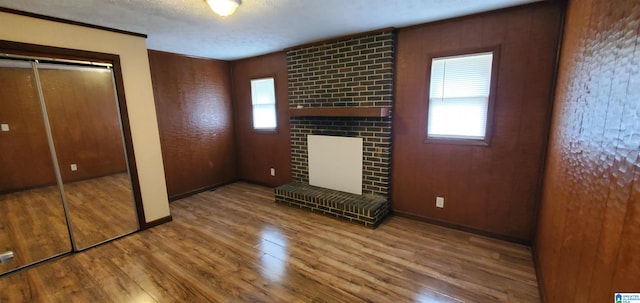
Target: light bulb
x,y
223,7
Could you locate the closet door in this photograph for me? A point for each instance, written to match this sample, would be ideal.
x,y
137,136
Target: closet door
x,y
32,219
85,123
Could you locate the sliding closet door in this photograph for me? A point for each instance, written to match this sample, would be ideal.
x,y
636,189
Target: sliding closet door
x,y
32,220
85,122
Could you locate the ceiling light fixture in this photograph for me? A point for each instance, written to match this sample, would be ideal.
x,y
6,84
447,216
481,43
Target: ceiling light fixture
x,y
224,7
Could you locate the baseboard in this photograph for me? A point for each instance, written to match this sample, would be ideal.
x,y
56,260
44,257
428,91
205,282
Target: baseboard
x,y
462,228
199,190
536,265
261,183
156,222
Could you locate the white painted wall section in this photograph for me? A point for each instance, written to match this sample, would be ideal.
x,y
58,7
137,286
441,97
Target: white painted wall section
x,y
335,163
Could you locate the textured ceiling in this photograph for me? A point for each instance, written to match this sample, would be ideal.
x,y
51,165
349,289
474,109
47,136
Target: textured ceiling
x,y
258,26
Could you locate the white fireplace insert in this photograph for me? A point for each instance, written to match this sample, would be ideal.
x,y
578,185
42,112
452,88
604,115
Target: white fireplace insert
x,y
335,162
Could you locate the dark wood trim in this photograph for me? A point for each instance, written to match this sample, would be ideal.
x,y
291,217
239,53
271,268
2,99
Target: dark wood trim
x,y
71,22
538,269
462,228
66,53
156,222
128,140
340,38
26,49
495,66
199,190
341,112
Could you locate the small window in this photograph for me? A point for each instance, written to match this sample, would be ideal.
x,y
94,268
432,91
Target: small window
x,y
459,97
263,100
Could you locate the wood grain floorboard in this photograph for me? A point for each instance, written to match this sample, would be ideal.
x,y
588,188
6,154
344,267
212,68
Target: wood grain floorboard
x,y
101,208
33,224
236,245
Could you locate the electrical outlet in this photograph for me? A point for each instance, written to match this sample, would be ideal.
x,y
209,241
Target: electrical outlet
x,y
440,202
273,172
4,127
74,167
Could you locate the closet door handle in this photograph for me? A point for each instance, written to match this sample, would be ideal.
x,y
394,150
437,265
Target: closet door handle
x,y
6,256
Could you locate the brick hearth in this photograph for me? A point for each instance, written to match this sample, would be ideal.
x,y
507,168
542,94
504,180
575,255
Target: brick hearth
x,y
368,210
355,72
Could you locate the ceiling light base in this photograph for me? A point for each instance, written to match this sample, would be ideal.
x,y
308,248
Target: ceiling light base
x,y
224,7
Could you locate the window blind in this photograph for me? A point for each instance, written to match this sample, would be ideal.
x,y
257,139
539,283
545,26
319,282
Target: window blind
x,y
459,96
263,100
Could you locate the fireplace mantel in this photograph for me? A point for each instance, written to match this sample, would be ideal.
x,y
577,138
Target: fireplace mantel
x,y
384,111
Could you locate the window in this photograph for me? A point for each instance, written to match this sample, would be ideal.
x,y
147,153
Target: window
x,y
459,97
263,100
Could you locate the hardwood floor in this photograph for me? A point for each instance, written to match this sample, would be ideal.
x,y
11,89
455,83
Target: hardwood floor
x,y
236,245
33,225
101,209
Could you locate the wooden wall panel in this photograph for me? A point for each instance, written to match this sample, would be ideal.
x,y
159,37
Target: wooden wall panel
x,y
491,189
25,161
259,151
85,122
195,119
588,239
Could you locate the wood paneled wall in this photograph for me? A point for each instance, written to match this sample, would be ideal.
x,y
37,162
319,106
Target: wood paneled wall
x,y
26,160
492,189
259,151
84,121
588,240
195,119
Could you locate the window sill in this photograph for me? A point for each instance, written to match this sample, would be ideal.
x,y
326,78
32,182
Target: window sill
x,y
265,131
453,141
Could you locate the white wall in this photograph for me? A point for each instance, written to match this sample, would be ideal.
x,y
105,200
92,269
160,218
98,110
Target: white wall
x,y
137,87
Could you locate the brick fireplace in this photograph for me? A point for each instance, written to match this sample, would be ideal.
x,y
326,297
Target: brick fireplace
x,y
342,88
